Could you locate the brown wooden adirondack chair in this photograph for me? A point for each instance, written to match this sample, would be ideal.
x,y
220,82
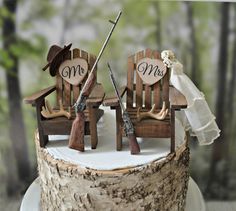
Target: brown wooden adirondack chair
x,y
68,94
144,96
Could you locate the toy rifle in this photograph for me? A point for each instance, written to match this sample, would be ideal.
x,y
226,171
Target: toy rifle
x,y
76,140
129,128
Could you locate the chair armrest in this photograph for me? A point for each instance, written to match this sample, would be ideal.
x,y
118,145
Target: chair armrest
x,y
39,95
112,99
177,100
96,96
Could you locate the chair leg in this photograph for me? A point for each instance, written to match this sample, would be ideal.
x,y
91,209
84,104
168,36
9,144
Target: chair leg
x,y
43,139
118,129
93,127
172,122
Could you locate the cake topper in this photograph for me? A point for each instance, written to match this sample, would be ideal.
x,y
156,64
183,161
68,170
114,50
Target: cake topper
x,y
129,128
48,113
55,57
150,114
200,120
76,140
74,71
151,70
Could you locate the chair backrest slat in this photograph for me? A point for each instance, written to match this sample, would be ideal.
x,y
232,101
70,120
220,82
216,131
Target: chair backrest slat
x,y
157,86
165,89
139,82
59,87
91,62
84,55
76,89
141,94
148,89
130,82
65,91
67,87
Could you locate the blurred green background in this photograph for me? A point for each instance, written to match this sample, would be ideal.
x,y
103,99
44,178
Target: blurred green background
x,y
202,35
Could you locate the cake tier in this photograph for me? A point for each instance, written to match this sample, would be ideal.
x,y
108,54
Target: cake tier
x,y
159,185
104,179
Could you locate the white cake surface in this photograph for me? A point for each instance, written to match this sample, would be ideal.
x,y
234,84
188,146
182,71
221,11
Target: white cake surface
x,y
105,157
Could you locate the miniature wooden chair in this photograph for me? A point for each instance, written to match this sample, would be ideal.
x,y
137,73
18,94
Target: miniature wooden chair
x,y
141,96
67,94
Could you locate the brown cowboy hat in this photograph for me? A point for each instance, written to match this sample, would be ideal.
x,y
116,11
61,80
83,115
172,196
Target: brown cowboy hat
x,y
55,57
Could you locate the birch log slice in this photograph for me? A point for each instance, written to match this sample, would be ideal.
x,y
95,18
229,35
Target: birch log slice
x,y
157,183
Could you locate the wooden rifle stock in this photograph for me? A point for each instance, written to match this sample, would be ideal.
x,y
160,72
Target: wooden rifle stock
x,y
133,144
76,140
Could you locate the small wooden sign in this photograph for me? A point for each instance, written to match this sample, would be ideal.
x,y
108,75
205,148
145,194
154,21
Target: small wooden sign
x,y
74,71
151,70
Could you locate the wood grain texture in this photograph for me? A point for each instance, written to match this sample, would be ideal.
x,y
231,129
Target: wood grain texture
x,y
139,82
93,126
130,82
177,100
150,128
76,89
148,89
172,124
96,96
62,126
165,89
84,55
92,60
157,86
59,88
66,98
119,123
76,140
43,138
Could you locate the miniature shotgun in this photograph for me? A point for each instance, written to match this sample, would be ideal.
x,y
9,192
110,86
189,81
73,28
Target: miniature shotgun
x,y
129,128
76,140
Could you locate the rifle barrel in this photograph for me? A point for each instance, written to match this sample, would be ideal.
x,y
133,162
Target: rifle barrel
x,y
115,87
101,51
129,127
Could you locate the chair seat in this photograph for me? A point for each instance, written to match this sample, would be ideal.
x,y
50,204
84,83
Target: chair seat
x,y
150,128
62,125
73,115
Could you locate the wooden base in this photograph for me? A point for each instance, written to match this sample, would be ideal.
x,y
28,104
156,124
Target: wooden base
x,y
158,185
